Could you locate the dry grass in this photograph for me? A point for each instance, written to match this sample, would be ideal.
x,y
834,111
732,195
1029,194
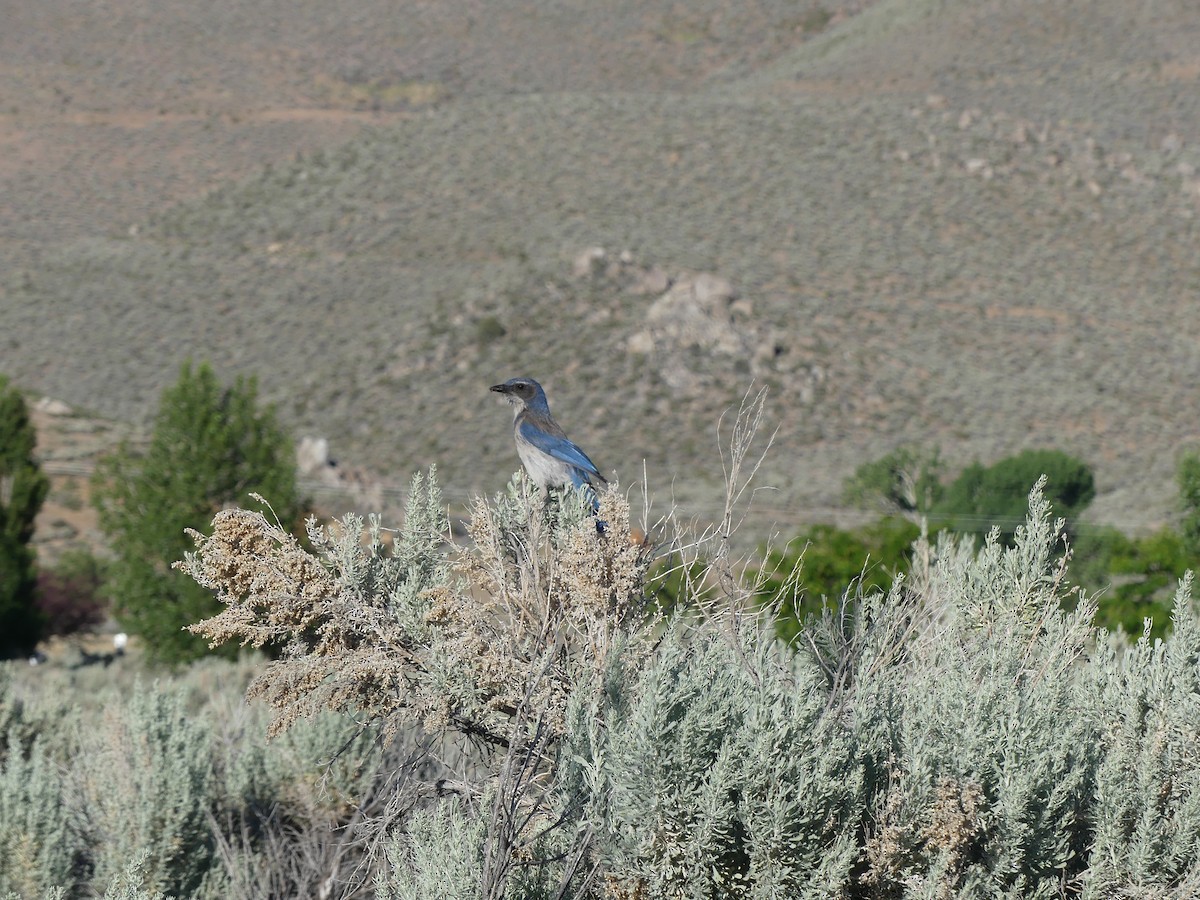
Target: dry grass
x,y
454,650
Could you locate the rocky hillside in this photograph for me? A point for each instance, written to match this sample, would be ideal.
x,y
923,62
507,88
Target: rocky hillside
x,y
970,224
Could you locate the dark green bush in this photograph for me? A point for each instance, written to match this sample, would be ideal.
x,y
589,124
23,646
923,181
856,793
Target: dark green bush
x,y
1135,577
211,447
995,496
824,562
23,488
907,480
1187,476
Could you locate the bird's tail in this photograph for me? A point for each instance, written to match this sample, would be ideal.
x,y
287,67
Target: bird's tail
x,y
593,499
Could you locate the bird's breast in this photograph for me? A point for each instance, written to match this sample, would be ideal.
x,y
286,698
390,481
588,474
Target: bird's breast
x,y
544,469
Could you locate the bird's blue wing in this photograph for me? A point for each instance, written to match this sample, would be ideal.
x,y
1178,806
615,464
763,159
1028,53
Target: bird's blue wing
x,y
558,447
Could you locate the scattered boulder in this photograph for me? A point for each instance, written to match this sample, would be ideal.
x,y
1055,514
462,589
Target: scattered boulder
x,y
696,328
589,262
694,312
640,343
323,476
53,407
696,332
312,455
654,280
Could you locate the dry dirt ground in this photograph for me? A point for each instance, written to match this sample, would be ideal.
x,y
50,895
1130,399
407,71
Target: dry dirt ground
x,y
68,446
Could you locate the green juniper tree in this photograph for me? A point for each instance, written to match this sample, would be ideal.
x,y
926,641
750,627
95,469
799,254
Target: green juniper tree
x,y
823,562
904,482
211,446
23,488
983,497
1187,476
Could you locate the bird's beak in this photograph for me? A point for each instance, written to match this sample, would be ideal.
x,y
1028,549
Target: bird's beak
x,y
500,388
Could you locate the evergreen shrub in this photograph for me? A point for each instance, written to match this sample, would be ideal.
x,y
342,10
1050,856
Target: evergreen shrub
x,y
211,446
23,489
1187,477
986,497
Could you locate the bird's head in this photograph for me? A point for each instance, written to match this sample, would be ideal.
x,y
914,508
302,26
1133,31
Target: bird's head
x,y
523,392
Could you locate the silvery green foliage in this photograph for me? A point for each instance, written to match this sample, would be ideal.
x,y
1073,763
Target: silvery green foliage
x,y
395,575
51,894
969,735
720,771
945,741
441,854
147,783
438,857
522,502
987,751
38,848
137,771
129,884
1147,811
417,559
285,811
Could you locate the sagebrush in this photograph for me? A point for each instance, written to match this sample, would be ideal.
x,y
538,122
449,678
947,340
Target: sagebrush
x,y
515,718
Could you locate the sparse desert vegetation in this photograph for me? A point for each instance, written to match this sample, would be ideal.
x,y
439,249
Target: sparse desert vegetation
x,y
954,241
512,718
969,225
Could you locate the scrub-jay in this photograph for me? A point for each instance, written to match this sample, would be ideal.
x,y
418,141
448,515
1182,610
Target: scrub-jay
x,y
550,459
